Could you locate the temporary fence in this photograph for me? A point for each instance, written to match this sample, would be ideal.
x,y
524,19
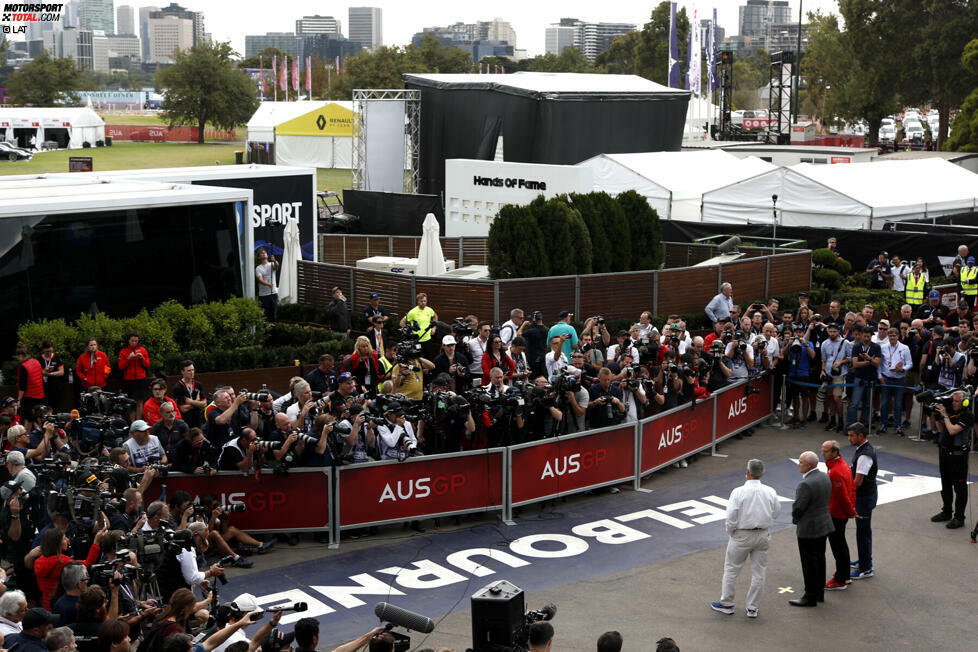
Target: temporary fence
x,y
496,479
162,133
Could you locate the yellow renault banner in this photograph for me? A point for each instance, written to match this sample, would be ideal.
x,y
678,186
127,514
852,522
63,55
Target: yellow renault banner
x,y
330,120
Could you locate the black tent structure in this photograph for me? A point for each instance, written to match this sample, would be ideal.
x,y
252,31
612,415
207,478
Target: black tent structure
x,y
554,118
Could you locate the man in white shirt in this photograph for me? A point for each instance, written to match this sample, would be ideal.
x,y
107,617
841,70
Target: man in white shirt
x,y
13,606
901,270
267,288
477,348
511,329
894,364
555,360
751,510
143,447
646,325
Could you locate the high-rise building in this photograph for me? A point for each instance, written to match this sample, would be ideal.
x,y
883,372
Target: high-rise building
x,y
70,43
590,38
705,30
167,34
96,15
125,20
69,18
497,29
757,15
108,48
144,13
317,25
196,17
365,26
287,42
330,47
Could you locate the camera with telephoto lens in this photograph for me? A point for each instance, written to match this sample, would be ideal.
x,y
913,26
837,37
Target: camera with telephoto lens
x,y
60,420
460,328
104,574
599,319
256,396
105,403
716,348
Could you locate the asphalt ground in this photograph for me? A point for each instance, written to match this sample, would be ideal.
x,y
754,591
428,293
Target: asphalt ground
x,y
920,597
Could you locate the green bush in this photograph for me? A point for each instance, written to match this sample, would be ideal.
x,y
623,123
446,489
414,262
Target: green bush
x,y
843,266
63,336
824,258
645,230
516,247
553,219
597,227
828,278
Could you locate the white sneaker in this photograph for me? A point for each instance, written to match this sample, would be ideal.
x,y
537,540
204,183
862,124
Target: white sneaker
x,y
683,464
752,613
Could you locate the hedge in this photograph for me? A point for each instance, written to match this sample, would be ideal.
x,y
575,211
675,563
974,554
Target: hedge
x,y
218,336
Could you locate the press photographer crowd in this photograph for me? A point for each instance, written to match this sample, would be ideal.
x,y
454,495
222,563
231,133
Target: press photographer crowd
x,y
90,556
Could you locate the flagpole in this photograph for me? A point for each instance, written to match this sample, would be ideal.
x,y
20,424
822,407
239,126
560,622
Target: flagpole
x,y
275,77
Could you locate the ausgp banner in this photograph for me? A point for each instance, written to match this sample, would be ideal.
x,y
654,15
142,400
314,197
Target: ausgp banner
x,y
573,463
676,434
420,487
298,501
742,406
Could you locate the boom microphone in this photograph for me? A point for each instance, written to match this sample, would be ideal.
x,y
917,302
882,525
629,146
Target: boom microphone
x,y
404,618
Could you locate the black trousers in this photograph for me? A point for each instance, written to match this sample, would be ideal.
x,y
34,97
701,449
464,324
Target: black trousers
x,y
840,549
812,552
954,482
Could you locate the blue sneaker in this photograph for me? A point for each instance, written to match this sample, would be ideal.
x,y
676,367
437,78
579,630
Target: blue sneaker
x,y
722,608
854,564
861,575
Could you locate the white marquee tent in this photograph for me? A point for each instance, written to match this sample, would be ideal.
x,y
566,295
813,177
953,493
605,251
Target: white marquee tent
x,y
68,126
855,196
673,182
306,133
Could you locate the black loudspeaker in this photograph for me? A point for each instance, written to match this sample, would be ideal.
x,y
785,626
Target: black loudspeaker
x,y
497,615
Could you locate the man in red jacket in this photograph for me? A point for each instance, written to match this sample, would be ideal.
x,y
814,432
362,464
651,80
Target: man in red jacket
x,y
134,363
92,368
30,386
842,507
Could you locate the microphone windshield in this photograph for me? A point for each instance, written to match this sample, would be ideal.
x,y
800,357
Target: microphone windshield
x,y
404,618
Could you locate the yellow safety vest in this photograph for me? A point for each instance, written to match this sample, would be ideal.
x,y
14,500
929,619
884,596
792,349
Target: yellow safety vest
x,y
969,281
915,290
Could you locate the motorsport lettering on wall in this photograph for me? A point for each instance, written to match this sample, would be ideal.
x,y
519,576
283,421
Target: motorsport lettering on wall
x,y
510,182
677,434
737,410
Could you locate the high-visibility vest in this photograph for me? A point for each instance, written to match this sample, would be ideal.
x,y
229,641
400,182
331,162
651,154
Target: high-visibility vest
x,y
969,281
915,290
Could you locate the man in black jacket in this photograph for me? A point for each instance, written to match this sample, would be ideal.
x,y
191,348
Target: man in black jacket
x,y
814,523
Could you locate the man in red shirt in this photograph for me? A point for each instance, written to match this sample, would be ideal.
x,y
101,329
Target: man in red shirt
x,y
151,408
30,386
134,363
842,507
92,368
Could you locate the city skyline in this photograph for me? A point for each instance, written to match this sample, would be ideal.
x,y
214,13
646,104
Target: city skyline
x,y
232,21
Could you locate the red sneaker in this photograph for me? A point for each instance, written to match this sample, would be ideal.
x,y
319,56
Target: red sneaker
x,y
832,585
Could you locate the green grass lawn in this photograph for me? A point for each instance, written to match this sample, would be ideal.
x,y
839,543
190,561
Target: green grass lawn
x,y
132,156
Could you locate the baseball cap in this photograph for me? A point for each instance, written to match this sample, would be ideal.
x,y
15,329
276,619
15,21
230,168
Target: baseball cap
x,y
833,324
8,401
374,295
622,333
565,313
857,427
276,640
971,259
139,425
884,322
935,294
245,603
803,293
36,617
883,253
344,377
448,339
939,330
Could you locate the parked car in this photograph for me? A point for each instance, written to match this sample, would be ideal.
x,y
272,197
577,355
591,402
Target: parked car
x,y
887,134
10,152
332,217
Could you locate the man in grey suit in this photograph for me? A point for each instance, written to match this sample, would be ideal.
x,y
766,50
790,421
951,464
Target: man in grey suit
x,y
810,514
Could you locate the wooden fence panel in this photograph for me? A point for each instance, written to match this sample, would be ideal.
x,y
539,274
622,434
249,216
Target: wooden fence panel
x,y
790,273
747,279
451,299
548,295
316,282
406,246
684,291
394,289
616,296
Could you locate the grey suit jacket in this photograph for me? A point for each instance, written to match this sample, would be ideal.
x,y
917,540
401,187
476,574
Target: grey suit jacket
x,y
811,509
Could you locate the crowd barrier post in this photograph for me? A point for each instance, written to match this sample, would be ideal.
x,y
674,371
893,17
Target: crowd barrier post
x,y
637,482
507,516
713,444
392,491
784,401
920,426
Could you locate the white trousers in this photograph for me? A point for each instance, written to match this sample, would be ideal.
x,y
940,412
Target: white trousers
x,y
743,544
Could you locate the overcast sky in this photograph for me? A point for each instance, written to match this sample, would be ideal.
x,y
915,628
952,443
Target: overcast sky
x,y
230,20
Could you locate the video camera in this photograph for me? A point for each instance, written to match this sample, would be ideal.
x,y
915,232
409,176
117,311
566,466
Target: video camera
x,y
929,400
104,574
150,545
522,638
60,420
105,403
407,351
261,396
460,328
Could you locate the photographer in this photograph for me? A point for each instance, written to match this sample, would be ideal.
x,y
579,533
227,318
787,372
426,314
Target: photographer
x,y
503,418
950,369
239,454
511,328
223,417
535,335
131,518
954,438
478,347
605,405
16,524
596,329
143,448
865,361
594,355
555,360
423,318
453,362
221,534
933,312
717,378
521,366
408,375
633,392
322,379
302,413
195,455
95,608
450,421
179,570
739,356
543,419
799,355
48,565
45,440
284,435
364,364
573,399
836,353
880,272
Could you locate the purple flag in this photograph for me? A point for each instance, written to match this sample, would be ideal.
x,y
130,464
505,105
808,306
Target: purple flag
x,y
673,50
688,79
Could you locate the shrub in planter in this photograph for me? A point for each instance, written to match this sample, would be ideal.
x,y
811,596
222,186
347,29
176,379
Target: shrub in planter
x,y
829,278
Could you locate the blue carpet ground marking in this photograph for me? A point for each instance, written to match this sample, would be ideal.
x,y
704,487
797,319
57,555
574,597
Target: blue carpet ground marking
x,y
664,542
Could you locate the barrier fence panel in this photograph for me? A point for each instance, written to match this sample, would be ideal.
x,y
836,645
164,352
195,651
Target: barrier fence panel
x,y
419,487
673,435
299,501
566,465
737,409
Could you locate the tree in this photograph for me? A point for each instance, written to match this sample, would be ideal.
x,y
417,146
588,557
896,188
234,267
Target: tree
x,y
645,232
377,69
825,66
964,131
652,46
597,227
430,56
266,57
619,58
203,86
617,230
570,60
515,247
46,81
553,218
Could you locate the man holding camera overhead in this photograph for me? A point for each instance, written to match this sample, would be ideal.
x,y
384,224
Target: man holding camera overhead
x,y
740,357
